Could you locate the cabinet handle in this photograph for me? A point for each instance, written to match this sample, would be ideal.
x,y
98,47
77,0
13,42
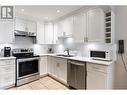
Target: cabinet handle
x,y
58,65
86,39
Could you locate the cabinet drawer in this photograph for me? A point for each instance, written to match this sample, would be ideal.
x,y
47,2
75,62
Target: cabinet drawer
x,y
7,69
7,62
60,60
96,67
7,79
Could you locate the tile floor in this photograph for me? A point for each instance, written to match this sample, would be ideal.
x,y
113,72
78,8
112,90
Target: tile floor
x,y
45,83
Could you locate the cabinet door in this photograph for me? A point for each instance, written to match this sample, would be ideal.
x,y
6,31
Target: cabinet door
x,y
68,26
63,70
40,33
20,24
49,64
96,80
7,31
7,73
59,68
48,28
56,68
79,34
65,27
55,31
7,80
32,26
96,76
95,25
60,28
43,65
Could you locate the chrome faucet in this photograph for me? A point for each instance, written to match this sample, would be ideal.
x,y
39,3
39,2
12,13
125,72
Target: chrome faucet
x,y
68,51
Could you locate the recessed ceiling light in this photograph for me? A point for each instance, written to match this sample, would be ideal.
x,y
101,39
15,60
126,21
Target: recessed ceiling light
x,y
58,11
22,10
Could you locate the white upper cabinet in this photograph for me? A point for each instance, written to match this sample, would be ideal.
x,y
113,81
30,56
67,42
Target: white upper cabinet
x,y
60,29
65,27
32,26
68,26
79,33
20,24
25,25
40,33
48,29
55,35
95,25
7,31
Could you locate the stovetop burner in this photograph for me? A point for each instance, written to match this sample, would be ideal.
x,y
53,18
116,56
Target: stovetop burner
x,y
24,53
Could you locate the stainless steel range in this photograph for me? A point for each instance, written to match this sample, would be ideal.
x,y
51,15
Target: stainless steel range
x,y
27,66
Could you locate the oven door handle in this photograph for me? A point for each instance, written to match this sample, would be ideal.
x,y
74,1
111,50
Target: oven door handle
x,y
28,59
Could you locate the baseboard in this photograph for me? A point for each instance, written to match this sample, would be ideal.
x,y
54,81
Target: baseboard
x,y
44,75
7,87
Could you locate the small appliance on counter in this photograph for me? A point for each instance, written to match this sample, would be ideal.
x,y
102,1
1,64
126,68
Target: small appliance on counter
x,y
105,55
6,52
50,50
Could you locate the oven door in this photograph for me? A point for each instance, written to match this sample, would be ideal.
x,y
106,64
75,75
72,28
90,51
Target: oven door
x,y
27,67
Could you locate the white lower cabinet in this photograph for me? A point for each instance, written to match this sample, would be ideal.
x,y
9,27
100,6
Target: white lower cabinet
x,y
96,80
43,65
7,73
61,69
57,67
99,76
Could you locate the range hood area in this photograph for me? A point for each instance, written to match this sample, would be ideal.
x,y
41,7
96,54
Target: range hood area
x,y
24,33
29,35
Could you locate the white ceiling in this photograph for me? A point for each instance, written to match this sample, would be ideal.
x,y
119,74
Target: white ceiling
x,y
44,12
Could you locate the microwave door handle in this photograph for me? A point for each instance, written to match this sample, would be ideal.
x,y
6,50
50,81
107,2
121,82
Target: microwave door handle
x,y
78,64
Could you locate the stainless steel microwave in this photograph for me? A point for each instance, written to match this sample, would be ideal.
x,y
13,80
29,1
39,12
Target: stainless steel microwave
x,y
101,55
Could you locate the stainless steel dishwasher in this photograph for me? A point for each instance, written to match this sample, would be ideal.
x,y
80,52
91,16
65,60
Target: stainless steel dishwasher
x,y
76,74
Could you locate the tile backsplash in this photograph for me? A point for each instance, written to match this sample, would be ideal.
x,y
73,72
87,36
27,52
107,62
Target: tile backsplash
x,y
83,48
27,42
